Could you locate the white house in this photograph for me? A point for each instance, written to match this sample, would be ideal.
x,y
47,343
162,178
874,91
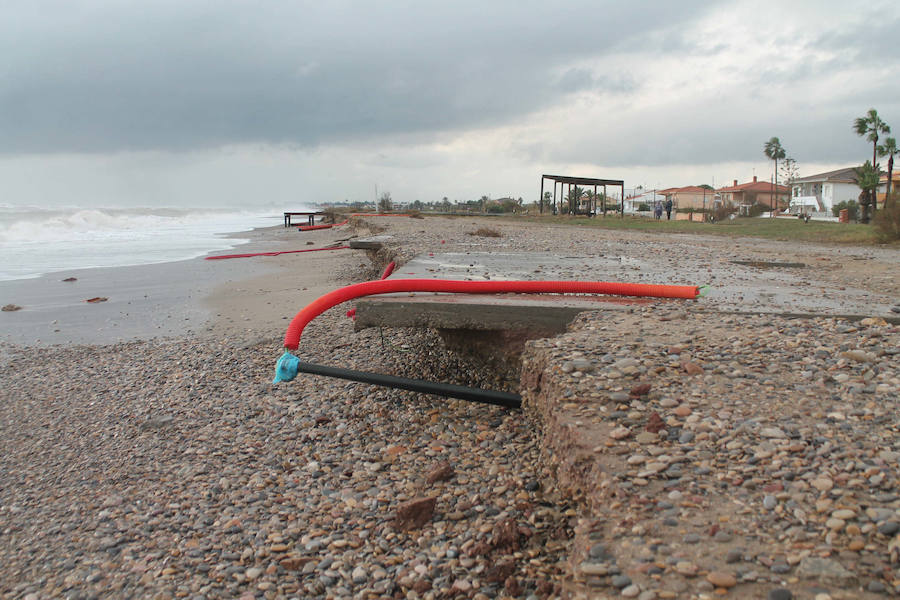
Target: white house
x,y
649,198
818,193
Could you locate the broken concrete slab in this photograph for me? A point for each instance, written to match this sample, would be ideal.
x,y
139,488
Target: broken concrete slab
x,y
734,288
375,242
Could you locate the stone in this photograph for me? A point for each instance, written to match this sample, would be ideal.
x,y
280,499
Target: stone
x,y
631,591
599,551
595,569
859,356
721,579
889,528
683,410
688,569
621,581
825,570
415,513
646,437
780,594
641,389
505,535
440,472
620,433
772,433
823,484
692,368
359,575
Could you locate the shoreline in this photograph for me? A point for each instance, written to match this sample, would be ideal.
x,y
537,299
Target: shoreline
x,y
166,299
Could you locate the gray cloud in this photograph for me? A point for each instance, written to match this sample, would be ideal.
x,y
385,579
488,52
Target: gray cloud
x,y
106,76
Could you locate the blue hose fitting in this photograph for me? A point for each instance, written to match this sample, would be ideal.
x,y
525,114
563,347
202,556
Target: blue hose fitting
x,y
286,367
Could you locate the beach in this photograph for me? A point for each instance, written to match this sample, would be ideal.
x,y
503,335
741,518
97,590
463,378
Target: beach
x,y
145,452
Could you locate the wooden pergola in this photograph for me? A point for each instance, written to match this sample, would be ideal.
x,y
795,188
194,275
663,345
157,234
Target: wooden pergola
x,y
564,180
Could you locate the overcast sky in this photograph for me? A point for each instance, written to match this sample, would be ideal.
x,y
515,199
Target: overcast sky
x,y
271,103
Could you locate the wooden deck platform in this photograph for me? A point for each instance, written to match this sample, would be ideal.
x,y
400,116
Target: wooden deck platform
x,y
312,214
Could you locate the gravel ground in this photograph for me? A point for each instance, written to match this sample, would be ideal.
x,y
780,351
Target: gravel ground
x,y
173,468
754,455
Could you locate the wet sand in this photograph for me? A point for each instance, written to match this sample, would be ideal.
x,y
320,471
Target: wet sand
x,y
189,297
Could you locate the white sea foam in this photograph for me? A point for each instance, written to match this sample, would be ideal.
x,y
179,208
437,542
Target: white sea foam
x,y
34,240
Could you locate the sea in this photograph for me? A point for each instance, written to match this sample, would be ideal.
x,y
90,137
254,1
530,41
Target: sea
x,y
37,240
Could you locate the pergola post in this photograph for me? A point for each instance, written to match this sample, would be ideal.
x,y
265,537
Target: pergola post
x,y
541,200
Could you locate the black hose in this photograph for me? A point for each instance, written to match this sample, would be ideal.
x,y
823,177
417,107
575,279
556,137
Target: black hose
x,y
416,385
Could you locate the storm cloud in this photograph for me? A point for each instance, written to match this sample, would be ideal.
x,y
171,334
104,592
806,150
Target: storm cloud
x,y
199,99
102,77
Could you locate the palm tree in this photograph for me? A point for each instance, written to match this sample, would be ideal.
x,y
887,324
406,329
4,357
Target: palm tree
x,y
871,126
868,177
889,149
774,151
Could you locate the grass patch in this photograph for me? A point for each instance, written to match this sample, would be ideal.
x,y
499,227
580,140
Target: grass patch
x,y
774,229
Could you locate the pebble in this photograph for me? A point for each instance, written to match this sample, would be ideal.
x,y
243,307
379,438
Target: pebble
x,y
722,580
889,527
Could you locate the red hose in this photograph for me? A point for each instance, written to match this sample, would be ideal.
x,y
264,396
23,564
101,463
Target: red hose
x,y
388,286
314,227
274,253
388,270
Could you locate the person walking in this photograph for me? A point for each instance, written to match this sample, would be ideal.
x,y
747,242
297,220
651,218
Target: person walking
x,y
668,209
657,210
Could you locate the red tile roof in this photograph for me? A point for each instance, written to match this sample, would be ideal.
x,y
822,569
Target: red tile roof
x,y
687,189
755,186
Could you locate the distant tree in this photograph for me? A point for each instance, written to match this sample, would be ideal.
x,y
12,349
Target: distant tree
x,y
868,177
385,204
417,205
706,186
573,197
889,149
789,170
871,126
773,150
484,200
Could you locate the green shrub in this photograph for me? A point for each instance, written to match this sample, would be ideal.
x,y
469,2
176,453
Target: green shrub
x,y
851,206
721,212
887,221
758,209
